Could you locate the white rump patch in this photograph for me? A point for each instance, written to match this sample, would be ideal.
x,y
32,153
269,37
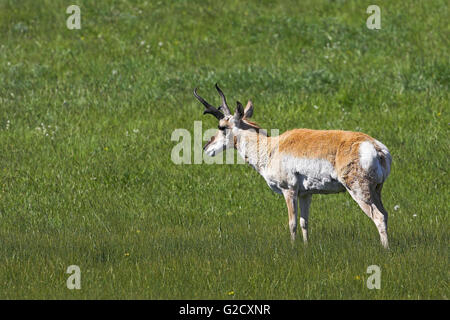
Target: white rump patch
x,y
367,155
368,158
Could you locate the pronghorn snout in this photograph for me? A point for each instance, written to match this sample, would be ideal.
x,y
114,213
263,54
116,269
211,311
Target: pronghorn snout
x,y
209,142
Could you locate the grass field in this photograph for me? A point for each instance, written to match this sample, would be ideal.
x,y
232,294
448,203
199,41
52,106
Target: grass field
x,y
86,176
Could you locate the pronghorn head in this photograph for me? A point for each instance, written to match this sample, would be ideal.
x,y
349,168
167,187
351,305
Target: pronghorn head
x,y
229,124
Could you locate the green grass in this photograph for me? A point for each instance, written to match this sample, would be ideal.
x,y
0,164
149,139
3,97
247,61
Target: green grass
x,y
75,188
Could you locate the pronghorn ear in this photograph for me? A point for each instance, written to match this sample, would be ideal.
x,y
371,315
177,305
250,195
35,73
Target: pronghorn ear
x,y
248,111
239,114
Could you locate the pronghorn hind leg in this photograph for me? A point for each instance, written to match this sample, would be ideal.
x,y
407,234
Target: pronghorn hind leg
x,y
382,222
305,202
369,200
290,195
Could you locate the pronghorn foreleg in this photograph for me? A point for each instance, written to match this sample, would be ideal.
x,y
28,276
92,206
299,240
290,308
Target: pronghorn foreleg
x,y
305,202
290,195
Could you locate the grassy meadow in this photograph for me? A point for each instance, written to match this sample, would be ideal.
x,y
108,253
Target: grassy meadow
x,y
86,177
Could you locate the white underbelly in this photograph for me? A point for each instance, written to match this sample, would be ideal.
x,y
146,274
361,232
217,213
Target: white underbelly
x,y
307,175
319,184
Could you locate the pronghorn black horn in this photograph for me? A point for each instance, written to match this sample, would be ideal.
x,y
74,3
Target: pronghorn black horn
x,y
239,110
209,108
224,105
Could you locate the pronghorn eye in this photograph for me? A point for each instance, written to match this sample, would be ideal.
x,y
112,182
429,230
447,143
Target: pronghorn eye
x,y
222,128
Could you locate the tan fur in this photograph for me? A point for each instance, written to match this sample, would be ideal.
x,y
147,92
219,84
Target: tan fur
x,y
336,146
340,148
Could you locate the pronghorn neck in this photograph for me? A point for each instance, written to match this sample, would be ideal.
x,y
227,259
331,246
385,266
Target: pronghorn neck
x,y
254,147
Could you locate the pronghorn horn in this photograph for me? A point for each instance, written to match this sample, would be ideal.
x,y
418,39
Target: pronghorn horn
x,y
209,108
224,105
239,110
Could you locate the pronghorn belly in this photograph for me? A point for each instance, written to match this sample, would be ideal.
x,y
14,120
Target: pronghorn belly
x,y
312,175
322,184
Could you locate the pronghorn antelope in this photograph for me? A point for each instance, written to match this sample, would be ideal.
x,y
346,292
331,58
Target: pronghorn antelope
x,y
303,162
